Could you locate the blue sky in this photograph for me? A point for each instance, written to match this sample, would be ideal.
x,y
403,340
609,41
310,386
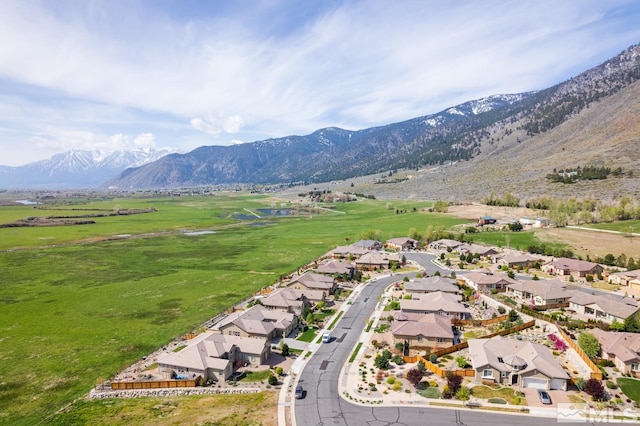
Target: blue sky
x,y
114,74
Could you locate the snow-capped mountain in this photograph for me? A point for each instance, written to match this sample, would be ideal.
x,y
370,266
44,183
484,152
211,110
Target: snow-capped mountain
x,y
77,168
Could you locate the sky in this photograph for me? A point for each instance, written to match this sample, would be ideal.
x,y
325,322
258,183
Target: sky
x,y
122,74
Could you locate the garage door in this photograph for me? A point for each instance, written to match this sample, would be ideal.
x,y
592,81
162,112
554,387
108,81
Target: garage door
x,y
531,382
558,384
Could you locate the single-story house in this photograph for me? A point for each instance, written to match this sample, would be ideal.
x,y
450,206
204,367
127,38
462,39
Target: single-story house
x,y
257,322
431,284
624,278
516,362
368,244
478,250
418,331
445,304
540,293
602,306
486,220
214,356
372,261
517,260
620,347
348,252
291,300
337,267
314,281
402,244
444,244
577,268
485,283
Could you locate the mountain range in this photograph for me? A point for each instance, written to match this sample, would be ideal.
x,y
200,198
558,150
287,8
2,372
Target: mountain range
x,y
499,143
76,168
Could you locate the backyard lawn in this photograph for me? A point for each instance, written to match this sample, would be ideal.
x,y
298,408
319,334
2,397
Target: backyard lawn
x,y
630,387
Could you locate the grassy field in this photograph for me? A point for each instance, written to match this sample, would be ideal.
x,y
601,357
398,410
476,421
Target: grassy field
x,y
619,226
78,305
222,410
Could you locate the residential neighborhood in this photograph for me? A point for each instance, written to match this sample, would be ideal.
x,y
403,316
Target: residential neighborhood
x,y
490,320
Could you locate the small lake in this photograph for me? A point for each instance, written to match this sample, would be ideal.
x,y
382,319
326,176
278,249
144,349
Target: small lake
x,y
26,202
274,212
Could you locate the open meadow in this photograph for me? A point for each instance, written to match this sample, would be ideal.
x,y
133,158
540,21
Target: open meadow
x,y
81,302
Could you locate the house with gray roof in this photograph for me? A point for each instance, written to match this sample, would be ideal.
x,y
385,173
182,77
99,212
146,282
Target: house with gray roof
x,y
624,278
402,244
516,362
337,268
348,252
314,281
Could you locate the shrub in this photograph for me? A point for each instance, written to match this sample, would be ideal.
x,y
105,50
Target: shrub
x,y
433,384
453,383
279,371
397,386
414,376
446,393
391,380
463,393
273,380
611,385
594,388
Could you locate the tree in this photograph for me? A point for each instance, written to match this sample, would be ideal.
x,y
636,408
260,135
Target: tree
x,y
463,394
594,388
616,325
632,324
589,344
310,318
454,382
285,349
414,376
382,360
513,315
321,305
422,367
273,380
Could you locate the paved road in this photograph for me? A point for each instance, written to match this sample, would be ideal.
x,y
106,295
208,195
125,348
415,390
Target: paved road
x,y
323,406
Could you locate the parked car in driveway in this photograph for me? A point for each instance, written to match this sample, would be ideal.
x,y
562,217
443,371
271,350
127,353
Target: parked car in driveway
x,y
545,398
299,394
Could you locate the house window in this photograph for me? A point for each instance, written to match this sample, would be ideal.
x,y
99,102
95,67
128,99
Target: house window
x,y
500,359
441,340
634,367
487,374
419,338
504,374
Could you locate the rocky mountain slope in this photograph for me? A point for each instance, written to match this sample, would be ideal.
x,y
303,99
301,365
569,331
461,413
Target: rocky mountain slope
x,y
507,142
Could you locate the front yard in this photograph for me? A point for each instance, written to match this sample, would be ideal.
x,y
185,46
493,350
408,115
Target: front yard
x,y
630,387
496,394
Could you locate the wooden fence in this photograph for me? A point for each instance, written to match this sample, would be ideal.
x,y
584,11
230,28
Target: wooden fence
x,y
157,384
595,371
462,372
477,322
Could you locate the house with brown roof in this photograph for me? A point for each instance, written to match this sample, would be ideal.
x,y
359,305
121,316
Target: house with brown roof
x,y
214,356
477,250
601,306
517,260
372,261
418,331
485,282
540,293
430,285
291,300
337,268
577,268
620,347
257,322
516,362
444,245
402,244
314,281
348,252
445,304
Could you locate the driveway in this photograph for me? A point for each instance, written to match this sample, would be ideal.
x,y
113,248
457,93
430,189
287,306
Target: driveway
x,y
557,396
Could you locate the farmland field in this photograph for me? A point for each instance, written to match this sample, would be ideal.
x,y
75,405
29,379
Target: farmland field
x,y
81,302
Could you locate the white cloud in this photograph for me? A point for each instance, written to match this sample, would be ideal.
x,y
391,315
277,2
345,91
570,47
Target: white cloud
x,y
216,124
85,140
105,68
